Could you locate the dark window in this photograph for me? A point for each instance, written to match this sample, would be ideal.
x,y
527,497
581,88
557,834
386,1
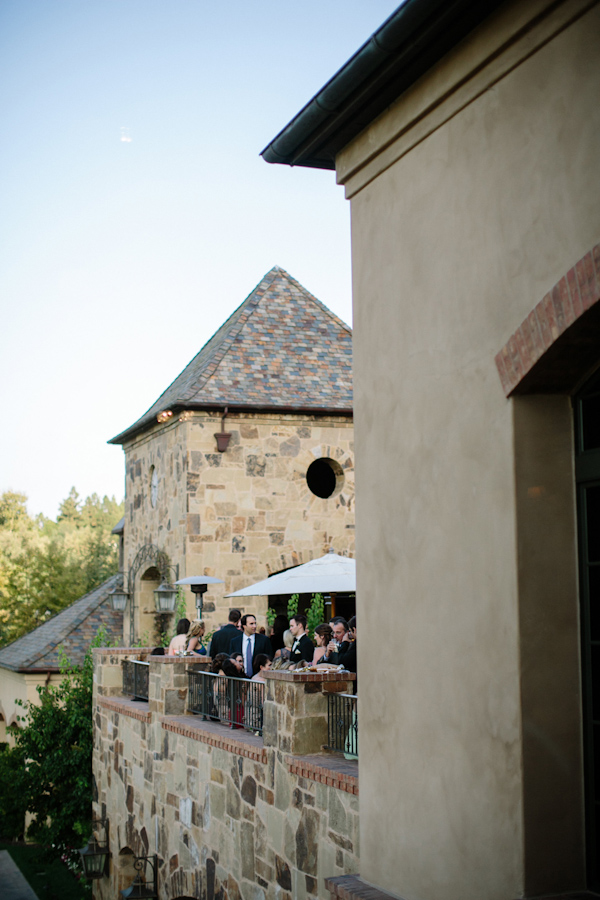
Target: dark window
x,y
325,477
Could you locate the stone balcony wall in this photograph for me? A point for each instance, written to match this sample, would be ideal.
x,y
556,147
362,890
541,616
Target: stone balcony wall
x,y
231,815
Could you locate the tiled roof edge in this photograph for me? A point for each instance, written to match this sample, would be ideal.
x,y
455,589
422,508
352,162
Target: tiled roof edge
x,y
102,590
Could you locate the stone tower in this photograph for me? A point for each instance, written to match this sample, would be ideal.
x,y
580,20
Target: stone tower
x,y
244,465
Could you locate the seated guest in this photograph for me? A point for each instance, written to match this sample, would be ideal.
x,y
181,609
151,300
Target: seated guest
x,y
238,661
262,663
303,647
280,625
323,634
179,641
230,669
195,635
222,638
158,651
217,663
340,635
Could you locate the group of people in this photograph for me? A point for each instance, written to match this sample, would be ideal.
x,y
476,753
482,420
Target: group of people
x,y
238,650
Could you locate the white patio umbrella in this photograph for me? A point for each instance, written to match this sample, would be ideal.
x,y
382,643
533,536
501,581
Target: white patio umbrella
x,y
328,574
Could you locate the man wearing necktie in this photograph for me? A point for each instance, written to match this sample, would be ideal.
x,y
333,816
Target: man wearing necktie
x,y
249,643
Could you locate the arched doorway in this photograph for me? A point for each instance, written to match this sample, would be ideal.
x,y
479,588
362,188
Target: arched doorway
x,y
149,581
587,473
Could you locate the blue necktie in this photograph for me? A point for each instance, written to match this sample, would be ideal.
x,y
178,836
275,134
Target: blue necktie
x,y
249,658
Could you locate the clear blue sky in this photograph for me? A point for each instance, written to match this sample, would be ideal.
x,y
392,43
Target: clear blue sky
x,y
136,213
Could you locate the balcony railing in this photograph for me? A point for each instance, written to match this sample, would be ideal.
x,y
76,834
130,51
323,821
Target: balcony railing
x,y
135,678
236,702
342,724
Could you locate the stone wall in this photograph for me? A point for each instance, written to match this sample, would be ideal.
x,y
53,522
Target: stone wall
x,y
241,514
231,815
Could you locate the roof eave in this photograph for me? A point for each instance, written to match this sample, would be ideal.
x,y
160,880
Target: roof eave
x,y
140,427
409,43
31,670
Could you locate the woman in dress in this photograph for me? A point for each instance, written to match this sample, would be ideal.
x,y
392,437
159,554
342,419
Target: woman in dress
x,y
261,664
179,641
194,638
323,634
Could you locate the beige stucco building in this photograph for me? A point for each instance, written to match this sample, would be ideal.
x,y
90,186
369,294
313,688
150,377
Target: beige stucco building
x,y
245,464
34,660
467,138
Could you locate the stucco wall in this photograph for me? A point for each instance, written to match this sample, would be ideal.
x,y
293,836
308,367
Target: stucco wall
x,y
16,686
241,514
453,245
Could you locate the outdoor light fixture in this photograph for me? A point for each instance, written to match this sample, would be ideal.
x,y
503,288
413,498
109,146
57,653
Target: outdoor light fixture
x,y
118,599
140,888
199,584
94,856
166,597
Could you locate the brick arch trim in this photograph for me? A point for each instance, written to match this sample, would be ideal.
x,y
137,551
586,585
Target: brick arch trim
x,y
560,339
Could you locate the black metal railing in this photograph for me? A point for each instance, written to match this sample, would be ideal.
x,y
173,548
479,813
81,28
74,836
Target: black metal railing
x,y
136,678
236,702
342,724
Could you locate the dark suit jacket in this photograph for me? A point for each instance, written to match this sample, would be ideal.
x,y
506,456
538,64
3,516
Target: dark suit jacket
x,y
347,656
262,644
222,639
305,650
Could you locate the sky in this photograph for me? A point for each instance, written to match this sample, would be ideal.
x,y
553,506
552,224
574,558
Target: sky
x,y
135,211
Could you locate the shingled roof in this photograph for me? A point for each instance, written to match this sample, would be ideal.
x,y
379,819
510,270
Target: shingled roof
x,y
73,629
281,349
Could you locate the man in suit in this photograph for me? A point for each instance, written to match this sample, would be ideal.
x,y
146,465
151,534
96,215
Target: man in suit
x,y
249,643
222,638
303,647
340,644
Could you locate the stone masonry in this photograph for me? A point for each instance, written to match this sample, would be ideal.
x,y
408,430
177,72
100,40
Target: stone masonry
x,y
241,514
230,814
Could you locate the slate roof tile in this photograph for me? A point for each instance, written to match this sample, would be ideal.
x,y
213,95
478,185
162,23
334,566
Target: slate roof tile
x,y
281,348
73,628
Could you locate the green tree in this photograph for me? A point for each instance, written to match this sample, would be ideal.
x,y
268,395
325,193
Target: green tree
x,y
69,509
13,510
46,565
292,607
48,773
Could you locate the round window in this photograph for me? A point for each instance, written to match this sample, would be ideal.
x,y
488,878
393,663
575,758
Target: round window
x,y
325,477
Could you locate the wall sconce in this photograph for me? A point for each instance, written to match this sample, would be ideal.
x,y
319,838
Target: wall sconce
x,y
223,437
118,599
140,888
165,597
95,855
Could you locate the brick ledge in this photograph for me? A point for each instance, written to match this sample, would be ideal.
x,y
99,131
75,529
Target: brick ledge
x,y
322,773
135,709
188,726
